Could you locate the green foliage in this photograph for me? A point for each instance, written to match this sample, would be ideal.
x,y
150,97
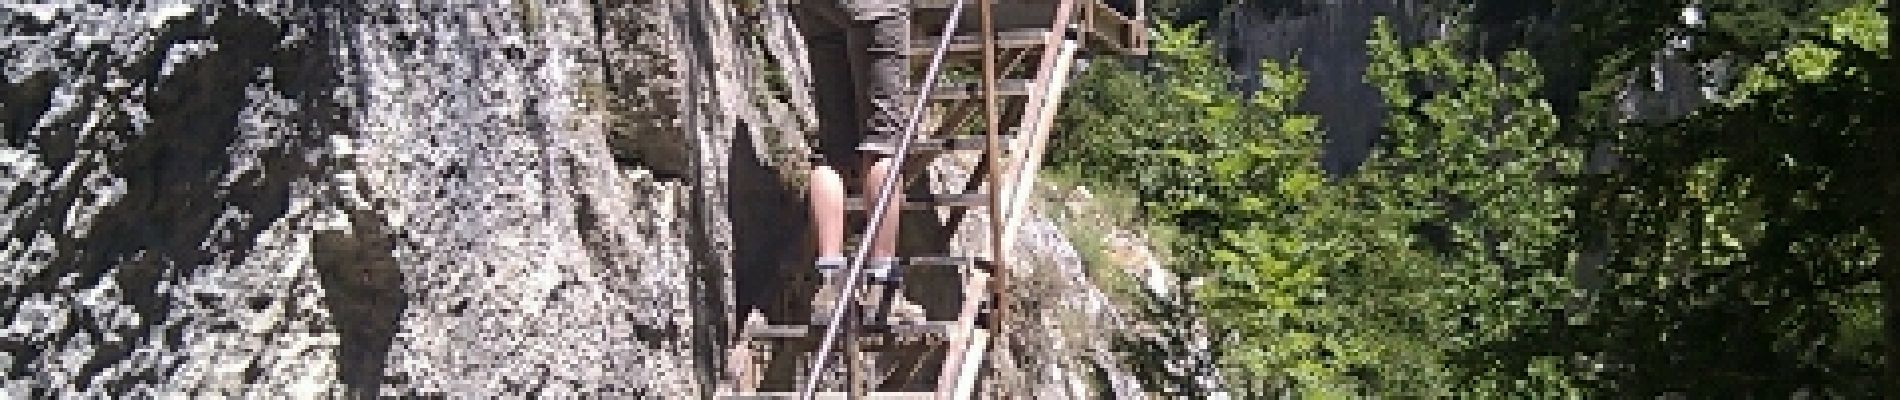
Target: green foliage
x,y
1740,239
1402,279
1730,252
1466,208
1421,274
1196,153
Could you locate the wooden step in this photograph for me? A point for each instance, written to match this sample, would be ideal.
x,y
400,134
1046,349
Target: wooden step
x,y
932,143
1105,27
829,395
974,90
970,5
1096,20
934,261
937,330
946,261
960,200
964,45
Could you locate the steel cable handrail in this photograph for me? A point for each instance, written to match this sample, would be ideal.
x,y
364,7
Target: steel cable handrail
x,y
885,191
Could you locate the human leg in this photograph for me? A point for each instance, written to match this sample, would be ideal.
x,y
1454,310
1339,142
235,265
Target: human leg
x,y
882,76
826,31
880,34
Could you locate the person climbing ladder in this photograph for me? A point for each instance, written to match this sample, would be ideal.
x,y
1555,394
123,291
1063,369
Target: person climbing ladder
x,y
859,76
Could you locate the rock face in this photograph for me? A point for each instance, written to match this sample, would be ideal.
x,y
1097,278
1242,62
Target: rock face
x,y
316,198
307,198
1327,40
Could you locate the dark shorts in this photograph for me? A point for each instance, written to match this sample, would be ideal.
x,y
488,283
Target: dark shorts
x,y
857,76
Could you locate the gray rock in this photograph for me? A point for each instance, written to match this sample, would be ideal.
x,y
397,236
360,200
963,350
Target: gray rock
x,y
354,199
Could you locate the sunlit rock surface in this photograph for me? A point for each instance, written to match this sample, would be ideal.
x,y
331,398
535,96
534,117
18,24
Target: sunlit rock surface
x,y
322,199
383,198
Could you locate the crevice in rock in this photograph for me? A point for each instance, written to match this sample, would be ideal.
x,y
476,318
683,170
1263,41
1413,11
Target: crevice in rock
x,y
769,231
362,284
22,104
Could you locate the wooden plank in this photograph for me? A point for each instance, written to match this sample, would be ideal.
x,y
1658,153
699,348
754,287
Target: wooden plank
x,y
944,4
944,261
925,330
956,200
970,90
1039,140
956,359
1098,22
888,144
827,395
1103,26
1011,39
972,365
1053,66
854,372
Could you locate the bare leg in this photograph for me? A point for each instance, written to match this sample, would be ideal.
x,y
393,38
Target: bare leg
x,y
827,216
885,244
827,210
882,76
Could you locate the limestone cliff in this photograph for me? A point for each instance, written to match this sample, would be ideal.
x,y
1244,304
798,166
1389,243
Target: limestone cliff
x,y
311,198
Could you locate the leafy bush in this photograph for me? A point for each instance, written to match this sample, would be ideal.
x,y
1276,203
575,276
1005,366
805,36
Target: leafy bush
x,y
1198,155
1428,272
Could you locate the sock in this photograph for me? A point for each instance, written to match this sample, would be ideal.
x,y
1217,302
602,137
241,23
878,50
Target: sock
x,y
828,267
884,269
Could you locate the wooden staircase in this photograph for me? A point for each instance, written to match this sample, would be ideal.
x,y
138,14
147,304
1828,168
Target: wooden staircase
x,y
1025,68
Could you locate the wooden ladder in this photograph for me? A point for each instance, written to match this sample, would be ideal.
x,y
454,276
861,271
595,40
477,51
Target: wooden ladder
x,y
1024,67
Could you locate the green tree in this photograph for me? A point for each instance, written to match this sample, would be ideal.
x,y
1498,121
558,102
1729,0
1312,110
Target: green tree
x,y
1198,155
1445,249
1743,239
1735,250
1416,276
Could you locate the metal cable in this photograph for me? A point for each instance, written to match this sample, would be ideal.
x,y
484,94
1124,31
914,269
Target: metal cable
x,y
885,191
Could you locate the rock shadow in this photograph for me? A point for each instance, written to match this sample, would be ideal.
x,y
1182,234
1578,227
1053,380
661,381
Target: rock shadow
x,y
363,291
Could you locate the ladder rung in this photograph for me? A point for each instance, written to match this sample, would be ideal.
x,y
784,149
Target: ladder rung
x,y
1107,26
888,143
959,262
962,200
1011,39
945,261
927,329
829,395
974,90
944,4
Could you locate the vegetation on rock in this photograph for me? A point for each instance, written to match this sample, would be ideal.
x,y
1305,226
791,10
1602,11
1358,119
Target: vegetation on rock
x,y
1730,249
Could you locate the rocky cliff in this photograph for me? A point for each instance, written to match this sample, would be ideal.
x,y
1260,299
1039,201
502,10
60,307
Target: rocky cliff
x,y
313,198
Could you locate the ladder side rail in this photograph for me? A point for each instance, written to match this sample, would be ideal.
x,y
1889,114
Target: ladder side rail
x,y
1062,23
967,368
1031,159
879,210
964,374
960,350
1141,28
993,145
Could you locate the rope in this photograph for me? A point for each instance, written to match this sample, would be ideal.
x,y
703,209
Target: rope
x,y
885,190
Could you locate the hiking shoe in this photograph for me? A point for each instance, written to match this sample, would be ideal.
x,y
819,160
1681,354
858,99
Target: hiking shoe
x,y
829,272
888,275
903,311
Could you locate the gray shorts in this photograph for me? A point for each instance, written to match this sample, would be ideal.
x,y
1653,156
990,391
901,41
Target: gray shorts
x,y
858,71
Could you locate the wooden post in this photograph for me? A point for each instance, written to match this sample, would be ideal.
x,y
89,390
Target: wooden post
x,y
993,153
1888,142
853,353
969,367
1038,136
1140,30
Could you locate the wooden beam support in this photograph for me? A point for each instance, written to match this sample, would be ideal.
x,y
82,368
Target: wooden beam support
x,y
1038,136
